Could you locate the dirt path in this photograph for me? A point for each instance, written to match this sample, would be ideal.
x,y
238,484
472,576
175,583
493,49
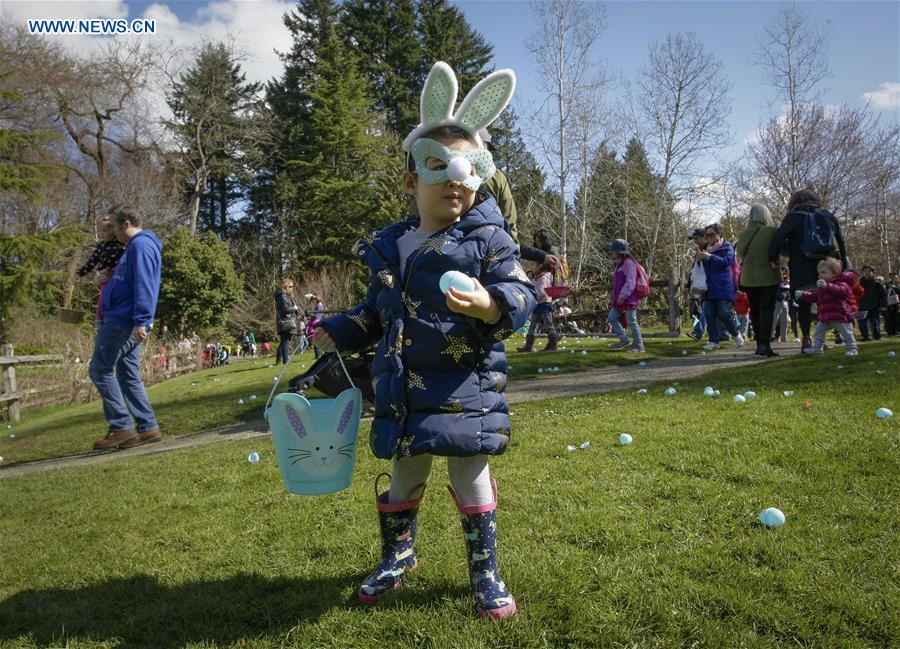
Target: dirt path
x,y
570,385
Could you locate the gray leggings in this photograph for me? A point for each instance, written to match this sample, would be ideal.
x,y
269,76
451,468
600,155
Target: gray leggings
x,y
470,477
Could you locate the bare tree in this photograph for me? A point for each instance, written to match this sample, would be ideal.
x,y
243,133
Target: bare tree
x,y
793,52
683,107
561,46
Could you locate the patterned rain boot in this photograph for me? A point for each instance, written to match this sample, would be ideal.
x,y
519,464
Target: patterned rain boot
x,y
529,343
479,523
398,533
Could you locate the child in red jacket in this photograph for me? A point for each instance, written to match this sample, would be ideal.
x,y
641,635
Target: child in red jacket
x,y
834,297
742,311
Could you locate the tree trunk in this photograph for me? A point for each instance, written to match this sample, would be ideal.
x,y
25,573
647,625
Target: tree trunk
x,y
223,206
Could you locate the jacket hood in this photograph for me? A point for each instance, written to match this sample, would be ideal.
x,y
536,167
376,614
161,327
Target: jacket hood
x,y
148,236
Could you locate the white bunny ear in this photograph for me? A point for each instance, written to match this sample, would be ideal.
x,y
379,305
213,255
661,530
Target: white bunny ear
x,y
437,101
486,101
438,95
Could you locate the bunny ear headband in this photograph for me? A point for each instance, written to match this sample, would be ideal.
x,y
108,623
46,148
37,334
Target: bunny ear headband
x,y
478,110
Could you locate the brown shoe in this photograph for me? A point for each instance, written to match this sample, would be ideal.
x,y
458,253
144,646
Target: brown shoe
x,y
147,437
115,439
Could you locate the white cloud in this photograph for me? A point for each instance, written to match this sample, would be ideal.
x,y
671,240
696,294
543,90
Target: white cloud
x,y
255,27
887,97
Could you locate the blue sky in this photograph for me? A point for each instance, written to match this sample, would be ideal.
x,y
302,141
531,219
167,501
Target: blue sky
x,y
864,49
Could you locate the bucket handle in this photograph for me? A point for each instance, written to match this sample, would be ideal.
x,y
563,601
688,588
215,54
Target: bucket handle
x,y
284,369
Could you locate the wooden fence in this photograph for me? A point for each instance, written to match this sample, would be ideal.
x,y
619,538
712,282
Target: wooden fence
x,y
72,383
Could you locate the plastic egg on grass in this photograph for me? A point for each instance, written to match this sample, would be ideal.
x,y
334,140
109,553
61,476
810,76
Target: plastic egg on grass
x,y
891,354
884,413
455,279
240,402
739,398
670,392
709,392
788,393
642,391
556,369
12,436
252,397
684,353
625,439
540,370
583,352
749,394
771,517
584,445
642,364
718,393
570,448
253,457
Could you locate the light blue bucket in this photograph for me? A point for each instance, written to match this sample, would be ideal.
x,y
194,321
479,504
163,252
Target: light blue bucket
x,y
315,441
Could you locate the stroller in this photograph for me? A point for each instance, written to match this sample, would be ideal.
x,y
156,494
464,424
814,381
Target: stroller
x,y
328,377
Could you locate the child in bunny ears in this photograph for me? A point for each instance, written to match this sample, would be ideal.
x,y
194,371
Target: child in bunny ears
x,y
440,366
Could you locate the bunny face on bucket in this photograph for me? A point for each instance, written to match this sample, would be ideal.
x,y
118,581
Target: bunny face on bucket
x,y
321,453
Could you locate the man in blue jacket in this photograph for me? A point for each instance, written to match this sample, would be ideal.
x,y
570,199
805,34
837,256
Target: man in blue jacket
x,y
128,305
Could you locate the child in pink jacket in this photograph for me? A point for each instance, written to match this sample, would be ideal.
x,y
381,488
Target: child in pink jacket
x,y
624,297
834,299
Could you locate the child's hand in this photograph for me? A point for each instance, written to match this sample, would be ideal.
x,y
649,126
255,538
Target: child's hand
x,y
820,283
798,294
323,341
477,304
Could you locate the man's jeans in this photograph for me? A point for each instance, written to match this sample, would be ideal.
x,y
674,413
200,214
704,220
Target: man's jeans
x,y
631,317
719,316
116,371
873,318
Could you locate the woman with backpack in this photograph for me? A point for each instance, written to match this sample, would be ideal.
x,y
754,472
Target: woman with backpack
x,y
721,287
758,279
629,286
808,234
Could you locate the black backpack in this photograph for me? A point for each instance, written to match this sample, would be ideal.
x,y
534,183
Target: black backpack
x,y
819,241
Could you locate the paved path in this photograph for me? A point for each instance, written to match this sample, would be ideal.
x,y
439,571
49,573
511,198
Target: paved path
x,y
574,384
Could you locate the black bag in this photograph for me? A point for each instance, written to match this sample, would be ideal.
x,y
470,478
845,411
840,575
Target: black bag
x,y
327,375
287,325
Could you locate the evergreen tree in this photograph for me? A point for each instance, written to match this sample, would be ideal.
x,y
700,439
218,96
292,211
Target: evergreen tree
x,y
215,122
342,181
384,33
445,35
199,284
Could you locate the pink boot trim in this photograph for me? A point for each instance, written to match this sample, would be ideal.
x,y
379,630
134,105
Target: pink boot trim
x,y
498,613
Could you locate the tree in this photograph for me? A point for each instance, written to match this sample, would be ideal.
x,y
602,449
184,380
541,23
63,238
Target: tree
x,y
385,31
199,284
561,46
214,125
793,54
684,107
445,35
342,179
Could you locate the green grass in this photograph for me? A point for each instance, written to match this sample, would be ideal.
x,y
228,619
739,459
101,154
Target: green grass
x,y
208,399
651,545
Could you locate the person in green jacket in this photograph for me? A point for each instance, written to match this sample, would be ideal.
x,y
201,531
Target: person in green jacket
x,y
758,279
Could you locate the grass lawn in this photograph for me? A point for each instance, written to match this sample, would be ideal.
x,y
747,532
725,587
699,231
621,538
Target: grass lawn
x,y
655,544
208,399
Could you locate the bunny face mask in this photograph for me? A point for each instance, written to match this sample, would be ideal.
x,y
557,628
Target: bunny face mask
x,y
458,165
478,110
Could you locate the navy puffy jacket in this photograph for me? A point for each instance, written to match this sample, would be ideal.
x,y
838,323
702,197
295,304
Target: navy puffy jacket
x,y
439,376
719,279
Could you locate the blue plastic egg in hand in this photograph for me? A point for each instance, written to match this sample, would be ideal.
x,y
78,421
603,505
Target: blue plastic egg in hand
x,y
625,439
884,413
455,279
771,517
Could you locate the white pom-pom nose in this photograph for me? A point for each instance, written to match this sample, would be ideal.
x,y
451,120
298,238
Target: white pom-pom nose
x,y
458,169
